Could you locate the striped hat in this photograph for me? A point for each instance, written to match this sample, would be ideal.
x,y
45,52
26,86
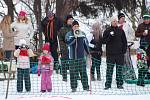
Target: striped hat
x,y
146,16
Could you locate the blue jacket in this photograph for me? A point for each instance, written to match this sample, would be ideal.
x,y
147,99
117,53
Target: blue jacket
x,y
77,46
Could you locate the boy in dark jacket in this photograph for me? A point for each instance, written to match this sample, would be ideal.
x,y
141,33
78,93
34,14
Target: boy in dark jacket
x,y
78,44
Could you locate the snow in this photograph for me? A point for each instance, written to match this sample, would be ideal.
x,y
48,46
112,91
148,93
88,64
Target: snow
x,y
61,90
81,97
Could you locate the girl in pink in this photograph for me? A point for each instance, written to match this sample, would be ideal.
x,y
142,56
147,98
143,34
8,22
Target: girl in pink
x,y
45,67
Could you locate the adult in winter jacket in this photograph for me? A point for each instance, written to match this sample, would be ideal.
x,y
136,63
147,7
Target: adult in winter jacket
x,y
8,36
78,44
50,26
63,46
96,50
128,69
23,27
116,46
143,32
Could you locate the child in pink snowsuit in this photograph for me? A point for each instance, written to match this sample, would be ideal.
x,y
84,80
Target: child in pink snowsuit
x,y
45,67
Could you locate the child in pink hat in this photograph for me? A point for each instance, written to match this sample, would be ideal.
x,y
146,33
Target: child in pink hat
x,y
45,67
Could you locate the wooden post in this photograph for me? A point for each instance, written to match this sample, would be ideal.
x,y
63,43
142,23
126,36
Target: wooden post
x,y
9,74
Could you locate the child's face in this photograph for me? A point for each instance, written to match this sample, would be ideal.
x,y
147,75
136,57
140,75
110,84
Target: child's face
x,y
45,51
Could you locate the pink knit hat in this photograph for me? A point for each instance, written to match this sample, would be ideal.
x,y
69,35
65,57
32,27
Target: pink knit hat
x,y
22,13
46,46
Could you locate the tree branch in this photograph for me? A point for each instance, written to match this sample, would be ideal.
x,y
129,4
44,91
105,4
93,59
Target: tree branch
x,y
27,5
2,4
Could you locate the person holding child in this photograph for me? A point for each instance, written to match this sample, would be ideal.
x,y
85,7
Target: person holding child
x,y
45,67
143,32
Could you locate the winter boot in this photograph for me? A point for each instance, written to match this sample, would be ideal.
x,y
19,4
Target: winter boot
x,y
92,78
99,77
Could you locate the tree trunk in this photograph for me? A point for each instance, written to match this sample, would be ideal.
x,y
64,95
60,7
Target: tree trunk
x,y
10,7
37,12
143,7
64,7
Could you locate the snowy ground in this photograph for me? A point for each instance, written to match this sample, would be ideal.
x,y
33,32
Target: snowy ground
x,y
61,90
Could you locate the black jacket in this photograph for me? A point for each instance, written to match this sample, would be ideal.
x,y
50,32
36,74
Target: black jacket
x,y
97,46
115,44
44,25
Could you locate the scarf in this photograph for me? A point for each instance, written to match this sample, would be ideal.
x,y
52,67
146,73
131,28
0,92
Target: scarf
x,y
45,60
50,26
121,26
23,52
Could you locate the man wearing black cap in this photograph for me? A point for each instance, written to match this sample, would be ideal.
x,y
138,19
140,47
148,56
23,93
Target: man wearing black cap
x,y
63,46
50,26
143,32
77,43
128,69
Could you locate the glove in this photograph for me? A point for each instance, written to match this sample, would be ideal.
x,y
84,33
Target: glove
x,y
38,72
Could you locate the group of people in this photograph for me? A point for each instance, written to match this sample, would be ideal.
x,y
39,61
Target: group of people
x,y
67,42
118,39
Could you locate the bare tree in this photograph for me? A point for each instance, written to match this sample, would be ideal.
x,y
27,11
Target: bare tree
x,y
37,10
10,7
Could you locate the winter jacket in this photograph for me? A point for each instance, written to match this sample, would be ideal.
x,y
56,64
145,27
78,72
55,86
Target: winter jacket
x,y
97,46
25,31
45,28
8,39
77,46
23,56
63,46
45,63
139,33
129,32
115,44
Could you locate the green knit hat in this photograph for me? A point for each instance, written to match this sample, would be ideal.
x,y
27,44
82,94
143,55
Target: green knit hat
x,y
146,16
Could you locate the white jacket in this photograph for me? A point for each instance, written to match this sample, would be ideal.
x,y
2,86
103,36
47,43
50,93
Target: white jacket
x,y
25,31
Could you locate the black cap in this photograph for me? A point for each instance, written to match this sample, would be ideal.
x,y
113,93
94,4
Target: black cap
x,y
120,15
68,17
75,23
